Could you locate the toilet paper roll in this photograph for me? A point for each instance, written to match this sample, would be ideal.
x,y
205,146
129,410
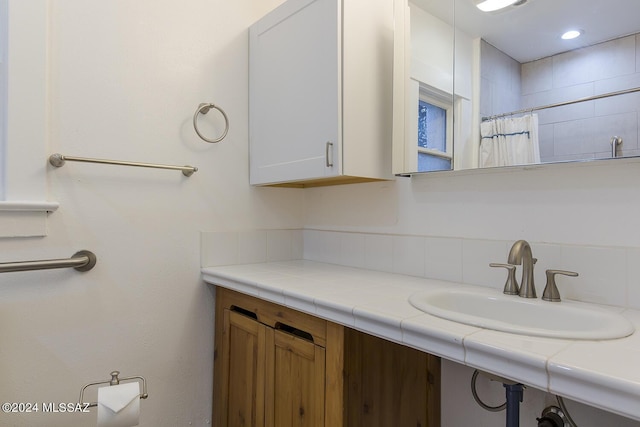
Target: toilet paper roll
x,y
119,405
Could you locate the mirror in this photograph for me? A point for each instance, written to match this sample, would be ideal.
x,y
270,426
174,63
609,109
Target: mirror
x,y
489,89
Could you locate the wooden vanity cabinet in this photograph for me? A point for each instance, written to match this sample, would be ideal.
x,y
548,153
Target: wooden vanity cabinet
x,y
277,367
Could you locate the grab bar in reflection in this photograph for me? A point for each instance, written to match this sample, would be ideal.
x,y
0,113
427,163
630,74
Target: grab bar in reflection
x,y
81,261
615,142
58,160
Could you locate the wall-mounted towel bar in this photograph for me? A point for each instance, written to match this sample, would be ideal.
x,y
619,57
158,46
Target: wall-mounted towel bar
x,y
58,160
81,261
561,104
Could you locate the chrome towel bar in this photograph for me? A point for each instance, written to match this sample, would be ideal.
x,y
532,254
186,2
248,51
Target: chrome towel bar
x,y
58,160
81,261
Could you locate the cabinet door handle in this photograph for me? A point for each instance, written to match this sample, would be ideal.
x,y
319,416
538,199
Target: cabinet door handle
x,y
326,154
294,331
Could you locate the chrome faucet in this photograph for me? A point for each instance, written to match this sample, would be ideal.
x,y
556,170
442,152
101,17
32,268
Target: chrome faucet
x,y
520,253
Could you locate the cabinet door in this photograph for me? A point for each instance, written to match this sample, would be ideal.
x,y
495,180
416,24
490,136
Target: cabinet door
x,y
389,384
243,371
294,87
295,383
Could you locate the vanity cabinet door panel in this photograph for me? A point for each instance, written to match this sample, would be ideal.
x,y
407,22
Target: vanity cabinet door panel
x,y
390,384
294,93
270,365
244,370
295,382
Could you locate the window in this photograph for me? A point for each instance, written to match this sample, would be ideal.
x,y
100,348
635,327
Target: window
x,y
434,132
23,130
3,90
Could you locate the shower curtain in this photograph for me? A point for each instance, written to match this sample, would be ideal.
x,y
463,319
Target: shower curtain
x,y
509,141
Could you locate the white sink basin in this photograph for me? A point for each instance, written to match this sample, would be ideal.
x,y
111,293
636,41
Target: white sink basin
x,y
490,309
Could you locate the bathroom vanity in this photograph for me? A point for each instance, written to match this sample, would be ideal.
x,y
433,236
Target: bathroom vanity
x,y
361,304
275,366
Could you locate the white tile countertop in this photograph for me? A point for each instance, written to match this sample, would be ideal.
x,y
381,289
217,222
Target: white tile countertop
x,y
604,374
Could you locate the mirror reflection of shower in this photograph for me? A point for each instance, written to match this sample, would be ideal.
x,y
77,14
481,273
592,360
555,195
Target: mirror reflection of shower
x,y
515,60
576,85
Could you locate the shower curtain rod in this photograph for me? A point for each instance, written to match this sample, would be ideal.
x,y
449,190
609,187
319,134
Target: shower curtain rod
x,y
560,104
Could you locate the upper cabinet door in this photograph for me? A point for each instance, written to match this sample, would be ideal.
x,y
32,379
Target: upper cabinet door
x,y
294,93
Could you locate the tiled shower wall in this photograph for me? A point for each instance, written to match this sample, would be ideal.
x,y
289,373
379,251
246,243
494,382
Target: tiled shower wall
x,y
584,130
607,275
500,79
577,131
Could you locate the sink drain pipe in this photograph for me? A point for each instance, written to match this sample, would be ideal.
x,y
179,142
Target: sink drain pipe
x,y
514,393
552,416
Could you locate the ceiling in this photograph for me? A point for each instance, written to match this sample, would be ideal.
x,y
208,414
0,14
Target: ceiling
x,y
532,30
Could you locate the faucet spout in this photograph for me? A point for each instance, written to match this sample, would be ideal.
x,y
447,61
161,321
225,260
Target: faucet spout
x,y
520,253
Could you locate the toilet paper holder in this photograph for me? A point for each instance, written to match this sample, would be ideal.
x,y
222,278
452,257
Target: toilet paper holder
x,y
115,380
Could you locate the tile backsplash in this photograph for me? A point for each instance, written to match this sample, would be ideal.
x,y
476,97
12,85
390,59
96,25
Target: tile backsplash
x,y
250,247
607,275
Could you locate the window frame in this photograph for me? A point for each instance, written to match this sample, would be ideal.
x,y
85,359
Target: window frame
x,y
417,91
23,140
433,98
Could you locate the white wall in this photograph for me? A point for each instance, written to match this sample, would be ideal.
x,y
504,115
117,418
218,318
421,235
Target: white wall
x,y
431,51
575,203
124,81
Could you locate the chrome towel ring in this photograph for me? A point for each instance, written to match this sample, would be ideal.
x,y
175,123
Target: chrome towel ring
x,y
204,109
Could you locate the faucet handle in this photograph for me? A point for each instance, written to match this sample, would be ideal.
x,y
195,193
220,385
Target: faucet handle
x,y
511,285
550,292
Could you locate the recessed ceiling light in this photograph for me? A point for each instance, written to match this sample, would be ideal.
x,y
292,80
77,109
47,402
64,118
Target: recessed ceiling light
x,y
572,34
492,5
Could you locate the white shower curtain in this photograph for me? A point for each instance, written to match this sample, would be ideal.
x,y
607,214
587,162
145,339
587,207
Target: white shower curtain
x,y
509,141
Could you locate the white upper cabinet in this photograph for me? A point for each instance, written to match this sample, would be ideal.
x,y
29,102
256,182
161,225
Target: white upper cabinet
x,y
320,93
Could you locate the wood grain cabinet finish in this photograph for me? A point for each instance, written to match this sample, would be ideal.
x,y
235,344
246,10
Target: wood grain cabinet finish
x,y
278,367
